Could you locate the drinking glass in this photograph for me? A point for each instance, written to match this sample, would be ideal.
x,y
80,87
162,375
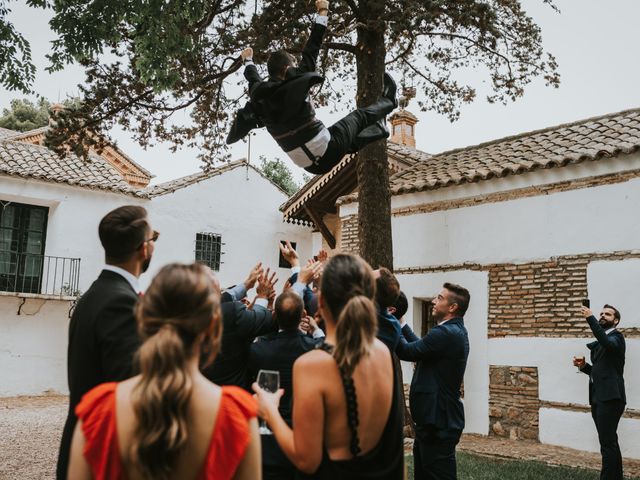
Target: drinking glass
x,y
268,380
579,357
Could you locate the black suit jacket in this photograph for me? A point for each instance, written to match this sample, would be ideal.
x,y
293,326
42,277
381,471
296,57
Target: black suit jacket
x,y
441,357
278,351
283,105
240,327
606,381
103,339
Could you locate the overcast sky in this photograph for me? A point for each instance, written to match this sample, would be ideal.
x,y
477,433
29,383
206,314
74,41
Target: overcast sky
x,y
596,43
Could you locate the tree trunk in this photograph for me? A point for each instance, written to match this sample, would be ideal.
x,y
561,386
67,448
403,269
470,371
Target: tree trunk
x,y
374,199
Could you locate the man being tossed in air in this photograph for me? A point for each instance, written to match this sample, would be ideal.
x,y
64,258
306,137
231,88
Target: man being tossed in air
x,y
283,105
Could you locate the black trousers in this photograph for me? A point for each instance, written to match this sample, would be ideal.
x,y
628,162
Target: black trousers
x,y
434,453
345,134
606,416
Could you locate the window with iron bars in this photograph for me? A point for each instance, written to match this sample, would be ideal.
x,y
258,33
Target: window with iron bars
x,y
209,250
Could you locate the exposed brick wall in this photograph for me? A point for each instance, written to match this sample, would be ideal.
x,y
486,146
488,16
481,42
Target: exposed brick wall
x,y
542,299
349,235
514,402
537,299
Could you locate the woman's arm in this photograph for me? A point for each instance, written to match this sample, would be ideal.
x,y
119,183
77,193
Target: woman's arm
x,y
78,465
250,467
303,446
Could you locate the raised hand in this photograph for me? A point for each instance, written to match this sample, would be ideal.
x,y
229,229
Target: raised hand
x,y
289,254
246,53
266,283
311,271
253,276
322,6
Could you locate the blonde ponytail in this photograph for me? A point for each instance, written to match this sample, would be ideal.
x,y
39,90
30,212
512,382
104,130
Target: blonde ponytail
x,y
355,332
160,403
178,317
348,289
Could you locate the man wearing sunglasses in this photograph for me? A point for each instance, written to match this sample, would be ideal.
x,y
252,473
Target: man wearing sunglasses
x,y
102,332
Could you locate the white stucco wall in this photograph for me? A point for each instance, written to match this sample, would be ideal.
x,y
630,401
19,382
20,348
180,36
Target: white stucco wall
x,y
240,205
616,283
559,381
476,378
33,346
74,215
599,219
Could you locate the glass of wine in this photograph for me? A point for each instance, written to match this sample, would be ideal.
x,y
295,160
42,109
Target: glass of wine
x,y
268,380
581,359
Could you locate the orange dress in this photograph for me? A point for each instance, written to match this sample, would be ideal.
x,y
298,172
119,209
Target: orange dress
x,y
229,439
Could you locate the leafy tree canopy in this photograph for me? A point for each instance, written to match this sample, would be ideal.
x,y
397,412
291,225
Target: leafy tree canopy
x,y
145,61
24,115
278,172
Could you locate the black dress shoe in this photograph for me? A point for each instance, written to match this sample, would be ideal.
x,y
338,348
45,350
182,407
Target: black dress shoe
x,y
390,89
377,131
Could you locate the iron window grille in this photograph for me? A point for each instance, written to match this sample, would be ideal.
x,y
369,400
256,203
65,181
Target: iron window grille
x,y
209,250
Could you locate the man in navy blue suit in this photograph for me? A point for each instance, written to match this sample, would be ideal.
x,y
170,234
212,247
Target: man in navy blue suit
x,y
606,385
441,359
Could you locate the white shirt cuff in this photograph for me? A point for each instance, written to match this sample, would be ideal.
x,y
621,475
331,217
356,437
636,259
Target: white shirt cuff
x,y
263,302
295,269
322,19
318,333
248,60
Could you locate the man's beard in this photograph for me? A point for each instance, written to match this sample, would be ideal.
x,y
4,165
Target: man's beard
x,y
606,324
145,264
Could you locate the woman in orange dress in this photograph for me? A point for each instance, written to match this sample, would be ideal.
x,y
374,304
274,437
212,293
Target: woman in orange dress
x,y
170,422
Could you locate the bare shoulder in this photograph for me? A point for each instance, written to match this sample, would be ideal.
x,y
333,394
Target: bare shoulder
x,y
381,351
312,360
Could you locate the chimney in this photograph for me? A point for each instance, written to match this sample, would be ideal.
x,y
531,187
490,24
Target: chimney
x,y
403,128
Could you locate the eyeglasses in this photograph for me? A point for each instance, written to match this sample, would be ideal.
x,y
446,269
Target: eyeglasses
x,y
154,238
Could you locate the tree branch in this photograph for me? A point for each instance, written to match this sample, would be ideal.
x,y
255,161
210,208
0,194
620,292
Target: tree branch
x,y
345,47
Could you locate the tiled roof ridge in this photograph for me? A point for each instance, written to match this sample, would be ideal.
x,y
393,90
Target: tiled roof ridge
x,y
591,139
531,133
171,186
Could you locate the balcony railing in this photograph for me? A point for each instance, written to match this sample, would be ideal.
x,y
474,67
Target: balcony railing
x,y
41,274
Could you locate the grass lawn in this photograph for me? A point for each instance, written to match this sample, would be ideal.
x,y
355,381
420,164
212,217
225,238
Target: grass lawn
x,y
473,467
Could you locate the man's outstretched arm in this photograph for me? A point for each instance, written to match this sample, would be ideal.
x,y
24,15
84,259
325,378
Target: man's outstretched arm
x,y
250,70
312,47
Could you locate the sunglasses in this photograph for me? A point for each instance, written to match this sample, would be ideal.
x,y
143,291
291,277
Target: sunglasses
x,y
154,238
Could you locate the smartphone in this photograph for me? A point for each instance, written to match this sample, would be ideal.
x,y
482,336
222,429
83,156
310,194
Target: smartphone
x,y
586,303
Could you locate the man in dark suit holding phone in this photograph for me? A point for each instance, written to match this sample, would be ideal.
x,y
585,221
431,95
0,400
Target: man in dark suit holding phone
x,y
606,385
434,398
102,332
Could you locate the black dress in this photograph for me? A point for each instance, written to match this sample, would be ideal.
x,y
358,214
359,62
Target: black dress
x,y
384,461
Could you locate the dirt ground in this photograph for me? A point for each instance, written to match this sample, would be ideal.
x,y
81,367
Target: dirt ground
x,y
30,429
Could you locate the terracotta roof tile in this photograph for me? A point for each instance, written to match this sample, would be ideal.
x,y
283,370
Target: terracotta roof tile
x,y
6,133
34,161
586,140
